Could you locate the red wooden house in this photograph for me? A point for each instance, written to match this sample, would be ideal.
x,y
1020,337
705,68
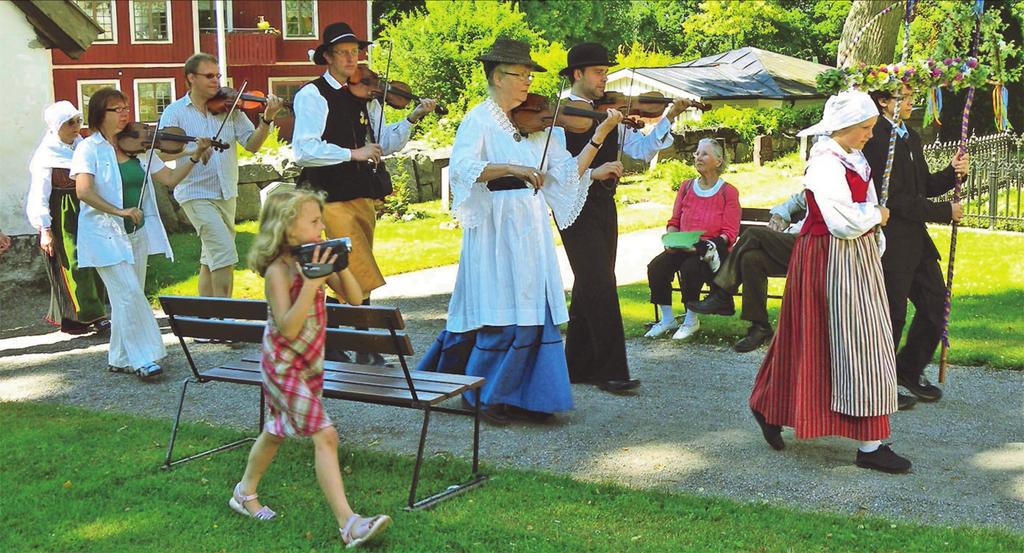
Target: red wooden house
x,y
146,42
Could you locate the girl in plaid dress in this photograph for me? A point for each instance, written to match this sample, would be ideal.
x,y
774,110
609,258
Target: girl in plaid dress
x,y
293,354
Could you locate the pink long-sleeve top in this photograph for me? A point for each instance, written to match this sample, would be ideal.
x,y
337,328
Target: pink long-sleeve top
x,y
715,211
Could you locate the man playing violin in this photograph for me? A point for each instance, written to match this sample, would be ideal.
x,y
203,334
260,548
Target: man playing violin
x,y
595,344
208,195
339,144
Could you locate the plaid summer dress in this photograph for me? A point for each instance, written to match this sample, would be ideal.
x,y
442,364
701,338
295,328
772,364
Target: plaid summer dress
x,y
293,372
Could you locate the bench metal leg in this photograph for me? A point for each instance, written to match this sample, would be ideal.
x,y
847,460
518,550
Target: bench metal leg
x,y
168,463
455,489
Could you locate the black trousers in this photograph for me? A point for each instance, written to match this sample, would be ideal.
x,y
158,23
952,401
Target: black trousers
x,y
759,253
925,288
595,343
661,271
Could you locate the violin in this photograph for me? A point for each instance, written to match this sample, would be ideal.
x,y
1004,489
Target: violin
x,y
648,104
576,116
537,114
365,84
138,137
250,100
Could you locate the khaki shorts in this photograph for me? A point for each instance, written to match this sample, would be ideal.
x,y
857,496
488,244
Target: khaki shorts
x,y
214,221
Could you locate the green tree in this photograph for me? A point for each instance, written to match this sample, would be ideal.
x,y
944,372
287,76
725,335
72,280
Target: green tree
x,y
724,25
435,50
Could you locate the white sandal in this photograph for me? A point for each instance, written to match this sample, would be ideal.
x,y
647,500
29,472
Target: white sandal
x,y
237,504
372,527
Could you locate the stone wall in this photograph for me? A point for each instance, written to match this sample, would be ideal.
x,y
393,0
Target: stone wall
x,y
251,179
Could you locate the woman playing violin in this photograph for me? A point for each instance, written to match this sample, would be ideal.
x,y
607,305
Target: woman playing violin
x,y
508,297
119,228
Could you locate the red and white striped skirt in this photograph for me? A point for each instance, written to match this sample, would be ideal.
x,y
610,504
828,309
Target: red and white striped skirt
x,y
794,385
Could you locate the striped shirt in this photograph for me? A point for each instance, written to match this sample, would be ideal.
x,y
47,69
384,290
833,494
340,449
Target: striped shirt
x,y
218,179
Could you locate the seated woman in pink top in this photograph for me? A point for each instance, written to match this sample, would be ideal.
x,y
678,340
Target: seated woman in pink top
x,y
708,204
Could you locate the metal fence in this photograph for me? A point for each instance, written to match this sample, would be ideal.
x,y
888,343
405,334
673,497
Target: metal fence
x,y
991,196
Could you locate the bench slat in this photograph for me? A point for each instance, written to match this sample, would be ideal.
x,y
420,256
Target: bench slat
x,y
332,389
209,308
251,332
470,381
365,316
397,382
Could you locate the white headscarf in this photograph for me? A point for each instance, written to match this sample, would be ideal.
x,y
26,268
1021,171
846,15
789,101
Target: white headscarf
x,y
842,110
52,151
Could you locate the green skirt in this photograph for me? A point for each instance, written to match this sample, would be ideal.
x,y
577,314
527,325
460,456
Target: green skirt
x,y
77,296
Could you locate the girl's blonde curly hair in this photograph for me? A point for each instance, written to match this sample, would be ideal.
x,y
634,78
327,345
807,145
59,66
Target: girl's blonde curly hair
x,y
277,216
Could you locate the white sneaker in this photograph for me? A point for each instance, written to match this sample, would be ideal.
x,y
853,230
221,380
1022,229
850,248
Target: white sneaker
x,y
686,331
661,327
712,258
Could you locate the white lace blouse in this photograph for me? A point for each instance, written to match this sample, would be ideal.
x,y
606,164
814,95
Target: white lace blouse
x,y
508,268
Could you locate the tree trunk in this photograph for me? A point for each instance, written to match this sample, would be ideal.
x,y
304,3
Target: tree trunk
x,y
877,44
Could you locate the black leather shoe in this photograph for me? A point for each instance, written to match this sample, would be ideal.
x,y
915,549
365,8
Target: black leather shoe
x,y
772,432
494,415
757,335
337,355
905,402
883,459
718,302
618,386
372,358
920,387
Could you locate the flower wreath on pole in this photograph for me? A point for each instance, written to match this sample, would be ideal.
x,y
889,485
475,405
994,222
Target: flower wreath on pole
x,y
927,75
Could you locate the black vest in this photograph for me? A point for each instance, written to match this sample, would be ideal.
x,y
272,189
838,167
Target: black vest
x,y
575,142
347,126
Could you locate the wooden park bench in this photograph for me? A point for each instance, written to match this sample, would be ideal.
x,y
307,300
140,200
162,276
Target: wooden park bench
x,y
749,217
244,321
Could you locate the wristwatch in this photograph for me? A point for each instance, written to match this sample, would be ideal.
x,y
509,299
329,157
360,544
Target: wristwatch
x,y
267,121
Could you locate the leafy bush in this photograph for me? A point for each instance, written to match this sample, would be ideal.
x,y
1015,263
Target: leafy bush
x,y
396,206
750,122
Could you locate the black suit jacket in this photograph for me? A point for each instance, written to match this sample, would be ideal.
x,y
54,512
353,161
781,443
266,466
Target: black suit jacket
x,y
907,242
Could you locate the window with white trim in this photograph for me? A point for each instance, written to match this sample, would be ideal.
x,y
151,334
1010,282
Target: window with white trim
x,y
285,88
87,88
102,12
299,18
151,97
151,20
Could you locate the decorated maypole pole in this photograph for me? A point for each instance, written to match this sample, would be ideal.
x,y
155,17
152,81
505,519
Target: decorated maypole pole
x,y
979,7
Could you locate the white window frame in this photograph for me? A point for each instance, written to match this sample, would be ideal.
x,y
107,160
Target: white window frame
x,y
113,25
81,99
316,23
131,25
135,89
272,80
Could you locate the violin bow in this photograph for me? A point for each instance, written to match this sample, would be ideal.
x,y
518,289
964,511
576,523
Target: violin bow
x,y
629,106
547,141
231,111
149,164
384,97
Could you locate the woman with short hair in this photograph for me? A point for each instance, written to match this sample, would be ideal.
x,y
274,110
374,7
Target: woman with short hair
x,y
116,236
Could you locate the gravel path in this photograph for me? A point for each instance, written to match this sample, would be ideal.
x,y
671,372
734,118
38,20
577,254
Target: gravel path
x,y
688,429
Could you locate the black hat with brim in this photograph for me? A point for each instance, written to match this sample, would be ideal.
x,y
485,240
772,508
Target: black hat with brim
x,y
336,33
587,54
506,50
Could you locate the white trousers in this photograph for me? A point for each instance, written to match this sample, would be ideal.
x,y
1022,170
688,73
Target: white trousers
x,y
134,334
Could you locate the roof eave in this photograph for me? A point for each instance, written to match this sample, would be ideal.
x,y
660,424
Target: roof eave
x,y
61,25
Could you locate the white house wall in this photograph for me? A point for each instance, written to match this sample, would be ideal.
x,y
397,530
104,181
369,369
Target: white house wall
x,y
26,91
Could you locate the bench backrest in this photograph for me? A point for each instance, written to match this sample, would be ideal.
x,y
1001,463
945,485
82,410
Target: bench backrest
x,y
376,328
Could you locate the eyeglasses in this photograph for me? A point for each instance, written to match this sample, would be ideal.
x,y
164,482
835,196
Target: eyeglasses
x,y
210,76
527,77
119,109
